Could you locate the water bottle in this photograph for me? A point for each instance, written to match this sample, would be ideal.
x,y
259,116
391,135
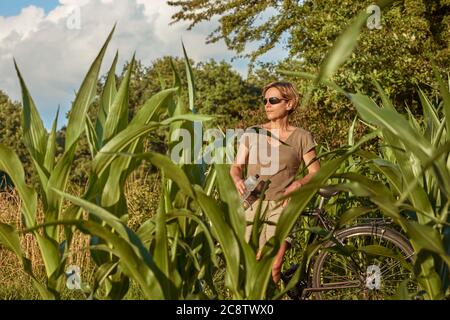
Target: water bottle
x,y
250,185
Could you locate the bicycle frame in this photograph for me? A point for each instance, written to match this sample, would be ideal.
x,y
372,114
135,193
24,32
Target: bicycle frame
x,y
319,219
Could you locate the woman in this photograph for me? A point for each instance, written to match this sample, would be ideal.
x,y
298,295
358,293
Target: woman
x,y
297,145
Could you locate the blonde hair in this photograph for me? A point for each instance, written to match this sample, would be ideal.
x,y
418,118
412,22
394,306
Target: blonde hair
x,y
287,90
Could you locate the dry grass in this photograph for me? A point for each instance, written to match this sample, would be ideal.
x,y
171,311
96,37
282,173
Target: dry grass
x,y
11,273
142,197
14,282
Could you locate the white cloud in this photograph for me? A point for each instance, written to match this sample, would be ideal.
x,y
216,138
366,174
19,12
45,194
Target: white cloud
x,y
23,24
54,52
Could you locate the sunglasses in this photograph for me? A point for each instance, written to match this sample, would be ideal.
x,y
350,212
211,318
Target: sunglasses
x,y
273,100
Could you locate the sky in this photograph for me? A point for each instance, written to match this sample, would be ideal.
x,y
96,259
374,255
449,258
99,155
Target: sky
x,y
55,42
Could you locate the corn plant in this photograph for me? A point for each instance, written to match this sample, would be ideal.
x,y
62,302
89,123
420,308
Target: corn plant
x,y
188,200
415,164
42,146
111,134
199,223
415,161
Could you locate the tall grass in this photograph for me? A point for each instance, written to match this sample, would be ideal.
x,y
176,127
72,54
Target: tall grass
x,y
197,232
414,163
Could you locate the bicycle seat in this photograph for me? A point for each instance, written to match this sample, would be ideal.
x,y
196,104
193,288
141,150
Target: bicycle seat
x,y
328,192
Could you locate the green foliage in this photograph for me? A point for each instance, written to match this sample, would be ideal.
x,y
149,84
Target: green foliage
x,y
415,163
197,230
11,132
397,55
220,91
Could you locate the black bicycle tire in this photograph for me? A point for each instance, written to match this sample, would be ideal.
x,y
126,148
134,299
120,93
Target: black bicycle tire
x,y
389,234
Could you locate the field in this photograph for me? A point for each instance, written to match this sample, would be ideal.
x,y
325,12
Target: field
x,y
142,226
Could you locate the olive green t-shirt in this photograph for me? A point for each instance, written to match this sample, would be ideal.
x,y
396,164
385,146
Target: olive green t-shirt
x,y
277,162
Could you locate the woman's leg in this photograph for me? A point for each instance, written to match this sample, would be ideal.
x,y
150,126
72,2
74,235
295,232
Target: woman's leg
x,y
274,216
276,267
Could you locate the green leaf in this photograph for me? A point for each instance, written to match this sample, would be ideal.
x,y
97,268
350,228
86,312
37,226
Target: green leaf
x,y
402,292
229,195
430,112
188,117
161,252
91,137
391,172
300,198
10,239
352,214
180,213
351,130
144,272
113,188
425,237
342,48
225,236
58,180
118,144
107,99
154,107
11,165
377,250
190,79
34,133
102,273
85,95
171,171
49,249
378,193
394,123
127,246
127,137
117,119
384,97
176,76
49,161
102,214
445,96
120,167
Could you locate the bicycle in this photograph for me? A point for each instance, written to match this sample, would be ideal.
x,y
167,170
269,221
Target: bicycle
x,y
364,261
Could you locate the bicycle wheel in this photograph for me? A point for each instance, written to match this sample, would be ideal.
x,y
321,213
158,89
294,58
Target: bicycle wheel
x,y
377,260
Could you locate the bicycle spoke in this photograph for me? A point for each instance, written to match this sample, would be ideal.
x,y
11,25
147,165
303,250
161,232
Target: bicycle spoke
x,y
344,276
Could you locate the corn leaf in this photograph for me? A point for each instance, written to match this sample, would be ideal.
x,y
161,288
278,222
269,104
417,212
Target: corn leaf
x,y
85,95
190,80
11,165
107,99
117,119
49,161
34,133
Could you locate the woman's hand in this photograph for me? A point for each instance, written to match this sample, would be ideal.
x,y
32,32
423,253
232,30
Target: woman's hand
x,y
292,187
240,186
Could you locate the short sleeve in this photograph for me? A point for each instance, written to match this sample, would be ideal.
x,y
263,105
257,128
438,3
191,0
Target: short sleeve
x,y
308,143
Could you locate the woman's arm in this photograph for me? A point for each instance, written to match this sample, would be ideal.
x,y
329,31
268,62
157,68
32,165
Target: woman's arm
x,y
237,168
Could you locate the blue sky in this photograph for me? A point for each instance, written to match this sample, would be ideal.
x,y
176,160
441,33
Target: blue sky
x,y
13,7
54,43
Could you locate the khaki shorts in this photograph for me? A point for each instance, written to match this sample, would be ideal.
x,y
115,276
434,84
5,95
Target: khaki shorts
x,y
272,210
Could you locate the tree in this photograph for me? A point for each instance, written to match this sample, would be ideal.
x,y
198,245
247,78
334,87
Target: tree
x,y
397,55
220,91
